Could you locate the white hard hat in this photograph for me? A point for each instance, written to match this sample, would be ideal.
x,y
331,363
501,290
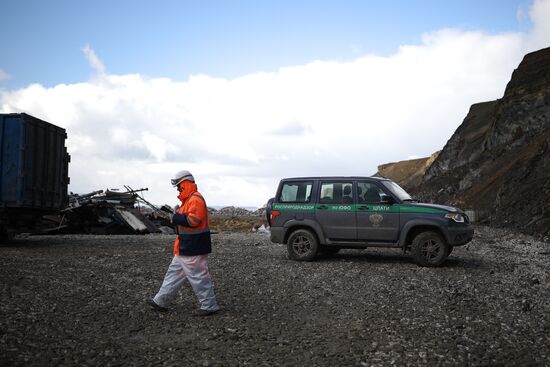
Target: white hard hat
x,y
182,176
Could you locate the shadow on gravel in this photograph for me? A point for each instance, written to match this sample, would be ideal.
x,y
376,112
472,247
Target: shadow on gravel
x,y
24,243
398,258
30,242
74,241
366,257
466,263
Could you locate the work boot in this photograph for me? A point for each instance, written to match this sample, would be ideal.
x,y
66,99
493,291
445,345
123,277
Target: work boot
x,y
206,312
151,302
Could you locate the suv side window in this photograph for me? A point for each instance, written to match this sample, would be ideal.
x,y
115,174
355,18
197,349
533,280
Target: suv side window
x,y
296,192
368,192
336,193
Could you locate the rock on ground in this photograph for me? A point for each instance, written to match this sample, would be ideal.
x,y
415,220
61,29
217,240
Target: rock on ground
x,y
79,300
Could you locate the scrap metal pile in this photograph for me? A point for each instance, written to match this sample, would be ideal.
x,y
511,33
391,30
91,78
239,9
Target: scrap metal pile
x,y
110,212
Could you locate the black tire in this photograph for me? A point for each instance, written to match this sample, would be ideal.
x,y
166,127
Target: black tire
x,y
302,245
3,235
450,250
429,249
329,250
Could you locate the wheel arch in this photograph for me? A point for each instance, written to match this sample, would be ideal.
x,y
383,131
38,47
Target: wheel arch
x,y
415,227
295,225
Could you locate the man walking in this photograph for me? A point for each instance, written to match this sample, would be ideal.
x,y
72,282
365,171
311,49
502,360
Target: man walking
x,y
191,249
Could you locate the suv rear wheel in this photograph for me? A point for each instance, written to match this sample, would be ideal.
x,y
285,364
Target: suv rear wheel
x,y
429,249
302,245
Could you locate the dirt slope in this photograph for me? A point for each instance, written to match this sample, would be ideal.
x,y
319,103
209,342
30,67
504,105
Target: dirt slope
x,y
406,173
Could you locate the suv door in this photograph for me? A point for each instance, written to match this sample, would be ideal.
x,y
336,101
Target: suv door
x,y
334,210
376,221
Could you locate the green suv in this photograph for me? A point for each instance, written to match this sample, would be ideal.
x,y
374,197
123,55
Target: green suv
x,y
325,214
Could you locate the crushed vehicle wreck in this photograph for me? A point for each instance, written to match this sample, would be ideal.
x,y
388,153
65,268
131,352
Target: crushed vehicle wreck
x,y
110,212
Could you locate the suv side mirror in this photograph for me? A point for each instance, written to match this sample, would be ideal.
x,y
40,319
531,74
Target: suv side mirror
x,y
387,199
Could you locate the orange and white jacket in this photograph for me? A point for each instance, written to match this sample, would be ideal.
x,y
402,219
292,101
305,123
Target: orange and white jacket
x,y
192,231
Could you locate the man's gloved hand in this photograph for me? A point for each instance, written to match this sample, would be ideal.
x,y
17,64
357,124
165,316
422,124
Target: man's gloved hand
x,y
179,219
167,209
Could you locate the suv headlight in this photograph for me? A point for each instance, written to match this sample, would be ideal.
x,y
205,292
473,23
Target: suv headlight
x,y
459,218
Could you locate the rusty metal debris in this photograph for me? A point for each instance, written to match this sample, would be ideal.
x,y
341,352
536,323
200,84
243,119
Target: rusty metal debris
x,y
110,212
126,211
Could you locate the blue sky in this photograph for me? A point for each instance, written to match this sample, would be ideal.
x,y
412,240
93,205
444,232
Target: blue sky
x,y
244,93
42,40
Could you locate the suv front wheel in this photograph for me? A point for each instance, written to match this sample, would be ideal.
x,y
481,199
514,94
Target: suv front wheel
x,y
302,245
429,249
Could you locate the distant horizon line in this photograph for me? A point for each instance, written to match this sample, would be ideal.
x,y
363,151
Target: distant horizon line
x,y
235,206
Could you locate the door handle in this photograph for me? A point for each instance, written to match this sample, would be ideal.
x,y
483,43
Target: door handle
x,y
322,207
363,207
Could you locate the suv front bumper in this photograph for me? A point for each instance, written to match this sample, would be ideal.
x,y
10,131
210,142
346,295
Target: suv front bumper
x,y
459,236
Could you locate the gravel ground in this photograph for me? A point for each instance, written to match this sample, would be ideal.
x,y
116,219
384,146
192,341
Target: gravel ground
x,y
79,300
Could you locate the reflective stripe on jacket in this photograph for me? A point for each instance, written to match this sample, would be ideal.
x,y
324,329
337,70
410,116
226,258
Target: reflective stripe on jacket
x,y
193,234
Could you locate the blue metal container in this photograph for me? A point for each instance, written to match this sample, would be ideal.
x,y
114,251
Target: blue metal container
x,y
33,164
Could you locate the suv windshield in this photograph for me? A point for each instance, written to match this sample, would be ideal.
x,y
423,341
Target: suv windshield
x,y
397,191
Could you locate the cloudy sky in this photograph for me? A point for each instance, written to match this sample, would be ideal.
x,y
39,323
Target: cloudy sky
x,y
243,93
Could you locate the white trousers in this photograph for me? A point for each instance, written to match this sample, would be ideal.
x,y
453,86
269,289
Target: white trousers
x,y
195,270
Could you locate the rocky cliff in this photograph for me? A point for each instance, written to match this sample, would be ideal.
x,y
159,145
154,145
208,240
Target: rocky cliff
x,y
498,160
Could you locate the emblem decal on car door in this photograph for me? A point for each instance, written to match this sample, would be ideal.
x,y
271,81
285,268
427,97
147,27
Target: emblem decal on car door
x,y
375,219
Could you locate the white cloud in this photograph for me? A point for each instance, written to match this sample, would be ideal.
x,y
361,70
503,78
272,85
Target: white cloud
x,y
157,146
292,128
95,62
4,75
240,136
540,13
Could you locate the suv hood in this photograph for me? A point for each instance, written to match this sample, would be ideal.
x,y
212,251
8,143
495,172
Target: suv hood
x,y
436,206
